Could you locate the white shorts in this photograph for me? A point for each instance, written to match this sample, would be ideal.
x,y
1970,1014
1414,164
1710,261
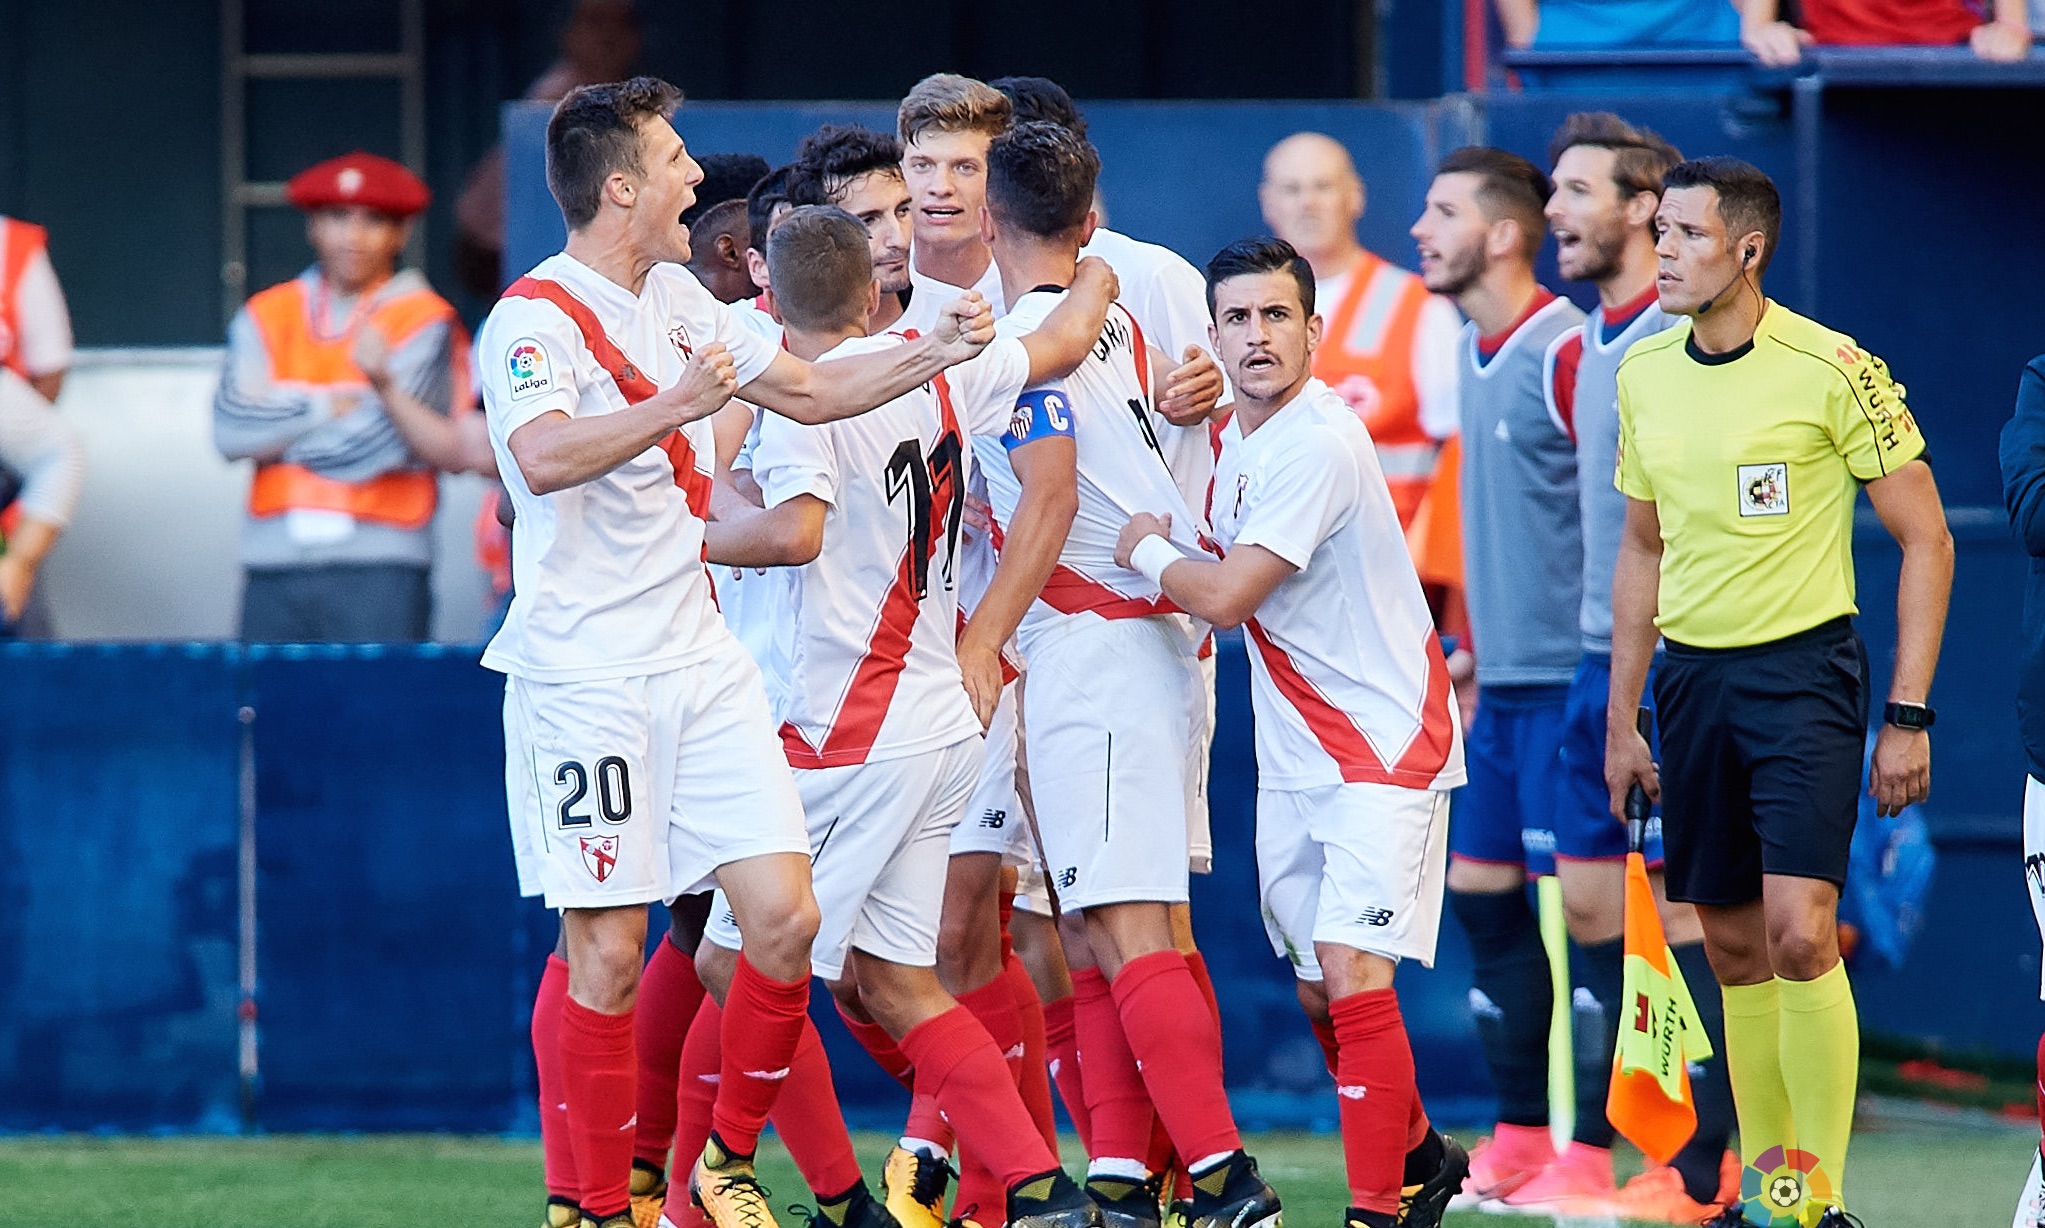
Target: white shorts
x,y
1199,836
993,821
1031,894
879,841
1361,865
632,790
2034,856
1108,715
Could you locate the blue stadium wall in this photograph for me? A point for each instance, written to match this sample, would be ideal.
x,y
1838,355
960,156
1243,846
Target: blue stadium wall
x,y
395,965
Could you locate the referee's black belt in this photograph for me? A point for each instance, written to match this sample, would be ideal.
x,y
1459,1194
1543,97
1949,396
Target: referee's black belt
x,y
1831,629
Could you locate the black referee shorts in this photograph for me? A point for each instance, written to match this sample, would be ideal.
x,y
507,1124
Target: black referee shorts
x,y
1761,761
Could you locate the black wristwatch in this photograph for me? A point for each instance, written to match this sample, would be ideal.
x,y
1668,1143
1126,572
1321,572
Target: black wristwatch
x,y
1909,716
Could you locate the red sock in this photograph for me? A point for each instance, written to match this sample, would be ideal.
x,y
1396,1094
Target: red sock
x,y
926,1121
1178,1049
1005,905
1061,1051
696,1088
881,1047
763,1021
1117,1106
598,1071
958,1059
1036,1077
558,1158
669,994
1375,1093
1324,1032
981,1196
994,1006
810,1123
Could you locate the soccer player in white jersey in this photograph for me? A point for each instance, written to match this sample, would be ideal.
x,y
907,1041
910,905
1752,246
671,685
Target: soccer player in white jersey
x,y
945,123
636,728
1168,298
884,740
1108,699
1358,741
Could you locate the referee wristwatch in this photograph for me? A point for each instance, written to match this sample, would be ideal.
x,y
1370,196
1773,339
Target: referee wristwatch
x,y
1909,716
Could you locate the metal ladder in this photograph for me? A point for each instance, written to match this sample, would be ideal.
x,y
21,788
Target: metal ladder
x,y
238,193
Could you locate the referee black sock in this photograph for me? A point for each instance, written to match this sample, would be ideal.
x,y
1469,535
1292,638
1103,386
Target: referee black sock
x,y
1699,1160
1512,998
1597,972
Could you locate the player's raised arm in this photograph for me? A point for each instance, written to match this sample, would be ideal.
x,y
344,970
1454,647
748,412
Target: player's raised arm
x,y
555,451
1189,392
1058,345
842,387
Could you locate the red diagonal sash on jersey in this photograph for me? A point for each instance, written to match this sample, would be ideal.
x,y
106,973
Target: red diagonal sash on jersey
x,y
632,383
1071,591
865,706
1359,761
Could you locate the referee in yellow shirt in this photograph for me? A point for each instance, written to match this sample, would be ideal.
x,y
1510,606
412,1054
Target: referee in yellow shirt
x,y
1745,434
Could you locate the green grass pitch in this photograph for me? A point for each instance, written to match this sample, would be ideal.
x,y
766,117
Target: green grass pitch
x,y
1899,1178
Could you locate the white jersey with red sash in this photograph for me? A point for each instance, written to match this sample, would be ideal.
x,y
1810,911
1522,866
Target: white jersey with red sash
x,y
873,670
607,576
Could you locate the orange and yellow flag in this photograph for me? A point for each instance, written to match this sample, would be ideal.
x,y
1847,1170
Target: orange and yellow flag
x,y
1659,1034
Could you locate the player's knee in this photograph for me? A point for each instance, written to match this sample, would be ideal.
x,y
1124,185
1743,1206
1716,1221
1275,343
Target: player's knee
x,y
1594,919
603,972
783,940
1804,953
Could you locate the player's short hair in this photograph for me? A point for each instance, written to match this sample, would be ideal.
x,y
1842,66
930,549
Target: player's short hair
x,y
593,134
1508,186
1640,156
820,267
726,176
1040,178
831,158
724,217
769,194
1263,254
947,102
1040,98
1747,199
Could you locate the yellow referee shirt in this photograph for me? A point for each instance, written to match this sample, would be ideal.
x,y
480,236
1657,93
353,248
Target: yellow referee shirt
x,y
1752,460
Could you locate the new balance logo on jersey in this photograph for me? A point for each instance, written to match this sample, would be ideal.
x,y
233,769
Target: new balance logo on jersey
x,y
1068,876
994,819
1375,916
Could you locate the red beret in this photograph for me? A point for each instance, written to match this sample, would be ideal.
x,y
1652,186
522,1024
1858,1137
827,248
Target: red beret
x,y
359,179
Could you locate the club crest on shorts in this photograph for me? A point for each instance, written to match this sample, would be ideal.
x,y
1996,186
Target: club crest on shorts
x,y
599,855
1764,489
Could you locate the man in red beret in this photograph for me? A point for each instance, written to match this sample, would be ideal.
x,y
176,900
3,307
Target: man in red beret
x,y
337,546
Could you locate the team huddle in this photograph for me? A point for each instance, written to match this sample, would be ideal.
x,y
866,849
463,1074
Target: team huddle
x,y
869,626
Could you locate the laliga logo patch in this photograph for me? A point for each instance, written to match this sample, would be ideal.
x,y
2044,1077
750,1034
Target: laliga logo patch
x,y
531,371
599,855
1774,1187
1764,489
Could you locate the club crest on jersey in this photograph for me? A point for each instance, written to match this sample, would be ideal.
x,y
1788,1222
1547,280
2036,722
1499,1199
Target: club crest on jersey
x,y
1764,489
1242,488
531,371
599,855
678,336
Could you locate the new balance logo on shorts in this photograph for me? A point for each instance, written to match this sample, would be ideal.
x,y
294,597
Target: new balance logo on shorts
x,y
994,819
1375,916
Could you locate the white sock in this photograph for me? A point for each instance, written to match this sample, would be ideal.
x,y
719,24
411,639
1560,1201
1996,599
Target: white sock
x,y
925,1146
1207,1162
1118,1166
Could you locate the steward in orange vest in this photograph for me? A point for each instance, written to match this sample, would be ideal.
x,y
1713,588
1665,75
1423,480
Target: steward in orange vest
x,y
1388,348
338,546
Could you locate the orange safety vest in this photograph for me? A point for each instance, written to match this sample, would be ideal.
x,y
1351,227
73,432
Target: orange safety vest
x,y
19,243
404,498
1366,356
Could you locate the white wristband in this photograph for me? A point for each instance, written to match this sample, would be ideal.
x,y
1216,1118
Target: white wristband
x,y
1152,555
